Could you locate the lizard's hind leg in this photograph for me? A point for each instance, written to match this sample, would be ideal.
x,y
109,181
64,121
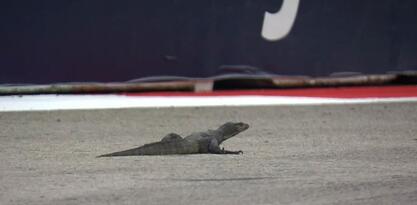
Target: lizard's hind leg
x,y
171,137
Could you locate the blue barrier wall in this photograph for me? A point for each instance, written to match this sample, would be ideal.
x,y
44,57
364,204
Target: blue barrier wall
x,y
61,41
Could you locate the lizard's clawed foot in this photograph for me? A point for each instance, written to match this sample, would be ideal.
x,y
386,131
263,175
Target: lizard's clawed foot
x,y
235,152
223,151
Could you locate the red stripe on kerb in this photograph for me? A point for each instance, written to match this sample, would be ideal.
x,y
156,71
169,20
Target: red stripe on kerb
x,y
341,92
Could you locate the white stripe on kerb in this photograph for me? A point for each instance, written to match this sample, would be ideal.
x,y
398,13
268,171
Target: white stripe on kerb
x,y
75,102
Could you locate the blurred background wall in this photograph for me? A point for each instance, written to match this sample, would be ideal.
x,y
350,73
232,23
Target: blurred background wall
x,y
50,41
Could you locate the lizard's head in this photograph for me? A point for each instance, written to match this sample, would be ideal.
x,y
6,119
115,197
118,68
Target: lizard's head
x,y
231,129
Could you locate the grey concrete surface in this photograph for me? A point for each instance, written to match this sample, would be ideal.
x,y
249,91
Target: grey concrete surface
x,y
333,154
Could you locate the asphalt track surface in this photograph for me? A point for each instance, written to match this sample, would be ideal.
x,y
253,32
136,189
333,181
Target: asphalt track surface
x,y
321,154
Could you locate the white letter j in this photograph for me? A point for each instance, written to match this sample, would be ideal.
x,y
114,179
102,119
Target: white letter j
x,y
276,26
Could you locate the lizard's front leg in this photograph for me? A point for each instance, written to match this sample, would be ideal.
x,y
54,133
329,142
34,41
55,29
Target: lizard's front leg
x,y
214,148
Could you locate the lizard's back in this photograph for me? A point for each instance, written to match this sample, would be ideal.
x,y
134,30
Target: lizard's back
x,y
172,147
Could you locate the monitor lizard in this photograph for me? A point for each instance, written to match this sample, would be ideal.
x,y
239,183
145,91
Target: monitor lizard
x,y
207,142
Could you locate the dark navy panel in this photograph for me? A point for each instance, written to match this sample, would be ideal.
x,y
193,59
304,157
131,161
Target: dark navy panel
x,y
50,41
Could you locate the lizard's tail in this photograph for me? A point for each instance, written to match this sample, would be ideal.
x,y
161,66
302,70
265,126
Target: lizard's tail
x,y
159,148
129,152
